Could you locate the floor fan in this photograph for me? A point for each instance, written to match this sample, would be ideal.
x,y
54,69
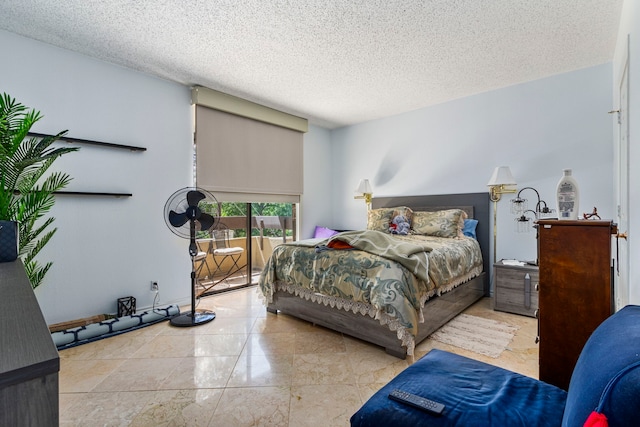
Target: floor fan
x,y
186,213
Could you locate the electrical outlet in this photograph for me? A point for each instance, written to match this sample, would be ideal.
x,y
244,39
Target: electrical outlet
x,y
154,287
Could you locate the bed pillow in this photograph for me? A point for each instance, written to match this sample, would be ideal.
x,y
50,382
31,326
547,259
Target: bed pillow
x,y
469,228
379,219
323,232
446,223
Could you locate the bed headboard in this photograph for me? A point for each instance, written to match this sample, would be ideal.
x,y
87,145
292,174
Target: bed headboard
x,y
476,205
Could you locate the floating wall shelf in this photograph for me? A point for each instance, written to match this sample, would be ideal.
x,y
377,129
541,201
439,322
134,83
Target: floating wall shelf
x,y
86,193
91,193
89,142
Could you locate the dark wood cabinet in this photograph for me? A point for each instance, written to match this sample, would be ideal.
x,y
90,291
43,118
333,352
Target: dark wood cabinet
x,y
29,360
575,291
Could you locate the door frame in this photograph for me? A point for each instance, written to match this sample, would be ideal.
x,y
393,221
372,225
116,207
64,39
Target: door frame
x,y
621,278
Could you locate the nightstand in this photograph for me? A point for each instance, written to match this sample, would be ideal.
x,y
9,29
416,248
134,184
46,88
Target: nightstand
x,y
515,288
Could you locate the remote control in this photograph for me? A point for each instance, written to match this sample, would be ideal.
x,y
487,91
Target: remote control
x,y
419,402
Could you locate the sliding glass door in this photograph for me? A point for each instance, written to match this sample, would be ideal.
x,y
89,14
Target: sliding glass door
x,y
241,243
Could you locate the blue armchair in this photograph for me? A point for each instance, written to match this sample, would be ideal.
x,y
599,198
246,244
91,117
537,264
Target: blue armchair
x,y
605,383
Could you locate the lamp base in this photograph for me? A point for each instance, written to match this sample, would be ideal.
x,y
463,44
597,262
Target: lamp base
x,y
187,319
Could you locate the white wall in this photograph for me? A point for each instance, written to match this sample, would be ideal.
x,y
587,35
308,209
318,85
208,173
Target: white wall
x,y
629,27
318,166
106,248
537,128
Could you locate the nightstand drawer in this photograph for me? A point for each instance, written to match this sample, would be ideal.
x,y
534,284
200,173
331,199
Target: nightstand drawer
x,y
515,289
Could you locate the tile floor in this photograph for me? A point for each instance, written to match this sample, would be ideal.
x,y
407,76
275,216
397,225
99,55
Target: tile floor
x,y
246,368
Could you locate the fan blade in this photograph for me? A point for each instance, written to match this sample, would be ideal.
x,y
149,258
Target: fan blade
x,y
194,197
206,221
177,220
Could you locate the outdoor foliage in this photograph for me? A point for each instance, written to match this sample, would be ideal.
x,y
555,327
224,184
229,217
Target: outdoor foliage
x,y
239,209
259,209
26,194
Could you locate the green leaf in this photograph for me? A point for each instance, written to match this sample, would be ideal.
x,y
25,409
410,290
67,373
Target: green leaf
x,y
26,188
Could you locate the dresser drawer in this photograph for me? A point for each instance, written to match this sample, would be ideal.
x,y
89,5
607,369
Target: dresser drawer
x,y
515,289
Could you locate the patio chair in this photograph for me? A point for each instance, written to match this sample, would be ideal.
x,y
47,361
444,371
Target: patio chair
x,y
226,258
200,260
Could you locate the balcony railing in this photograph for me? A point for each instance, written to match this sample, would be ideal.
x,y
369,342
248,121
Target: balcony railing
x,y
212,279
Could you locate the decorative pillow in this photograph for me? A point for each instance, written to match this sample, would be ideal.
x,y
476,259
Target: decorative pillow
x,y
379,219
447,223
469,228
323,232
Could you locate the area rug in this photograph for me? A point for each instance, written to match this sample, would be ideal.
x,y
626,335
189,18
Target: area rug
x,y
476,334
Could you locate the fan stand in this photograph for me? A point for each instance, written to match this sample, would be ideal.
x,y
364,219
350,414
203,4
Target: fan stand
x,y
193,317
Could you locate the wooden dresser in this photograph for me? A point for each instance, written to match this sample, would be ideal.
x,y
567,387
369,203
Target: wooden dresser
x,y
575,291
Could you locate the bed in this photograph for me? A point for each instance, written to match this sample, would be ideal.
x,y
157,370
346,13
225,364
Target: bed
x,y
297,277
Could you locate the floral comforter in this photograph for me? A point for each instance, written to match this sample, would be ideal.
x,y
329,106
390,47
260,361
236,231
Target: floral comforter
x,y
373,280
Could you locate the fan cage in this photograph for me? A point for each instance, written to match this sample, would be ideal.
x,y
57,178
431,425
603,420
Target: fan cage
x,y
177,202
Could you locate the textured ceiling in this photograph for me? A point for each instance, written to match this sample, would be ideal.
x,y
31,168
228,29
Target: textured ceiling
x,y
336,62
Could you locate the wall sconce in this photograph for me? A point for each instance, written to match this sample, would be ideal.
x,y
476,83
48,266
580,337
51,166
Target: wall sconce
x,y
499,184
499,181
364,191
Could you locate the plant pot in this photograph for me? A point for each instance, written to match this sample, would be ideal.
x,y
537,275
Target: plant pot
x,y
8,241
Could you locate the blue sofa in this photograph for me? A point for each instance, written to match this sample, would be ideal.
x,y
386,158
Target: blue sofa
x,y
605,382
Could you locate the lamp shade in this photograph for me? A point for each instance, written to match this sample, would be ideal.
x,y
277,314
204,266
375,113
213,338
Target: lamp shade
x,y
364,187
501,176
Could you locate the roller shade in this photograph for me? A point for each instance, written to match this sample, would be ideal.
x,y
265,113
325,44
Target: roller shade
x,y
244,159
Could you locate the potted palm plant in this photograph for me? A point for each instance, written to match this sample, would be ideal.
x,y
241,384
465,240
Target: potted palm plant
x,y
26,194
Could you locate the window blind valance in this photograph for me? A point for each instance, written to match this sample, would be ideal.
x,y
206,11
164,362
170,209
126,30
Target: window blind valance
x,y
241,107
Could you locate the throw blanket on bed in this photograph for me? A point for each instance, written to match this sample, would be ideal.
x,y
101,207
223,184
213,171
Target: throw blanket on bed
x,y
411,255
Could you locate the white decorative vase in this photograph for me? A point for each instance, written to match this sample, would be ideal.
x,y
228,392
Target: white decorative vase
x,y
568,196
